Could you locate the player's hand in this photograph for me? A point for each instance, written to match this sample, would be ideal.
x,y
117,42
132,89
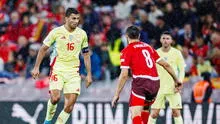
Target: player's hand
x,y
178,87
88,80
178,83
115,100
35,73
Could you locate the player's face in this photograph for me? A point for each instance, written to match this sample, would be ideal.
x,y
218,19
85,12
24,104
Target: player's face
x,y
166,40
73,20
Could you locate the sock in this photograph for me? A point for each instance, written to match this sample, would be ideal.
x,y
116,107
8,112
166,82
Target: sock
x,y
145,116
137,120
178,120
151,120
62,118
51,109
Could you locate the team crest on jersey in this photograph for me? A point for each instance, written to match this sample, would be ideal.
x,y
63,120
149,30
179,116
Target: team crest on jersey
x,y
70,37
165,58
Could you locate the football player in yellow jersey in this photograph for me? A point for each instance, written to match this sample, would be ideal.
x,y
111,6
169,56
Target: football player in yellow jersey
x,y
168,90
67,41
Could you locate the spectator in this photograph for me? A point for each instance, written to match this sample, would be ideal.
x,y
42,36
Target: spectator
x,y
33,49
193,69
95,65
185,15
186,36
170,16
203,66
161,26
123,9
202,90
25,26
154,13
6,51
206,27
200,48
19,67
215,51
3,23
13,27
91,18
146,25
23,46
188,60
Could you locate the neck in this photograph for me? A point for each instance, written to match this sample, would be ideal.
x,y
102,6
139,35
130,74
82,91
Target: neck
x,y
166,49
68,28
133,40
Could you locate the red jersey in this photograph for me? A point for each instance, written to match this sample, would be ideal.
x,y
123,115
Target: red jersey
x,y
141,58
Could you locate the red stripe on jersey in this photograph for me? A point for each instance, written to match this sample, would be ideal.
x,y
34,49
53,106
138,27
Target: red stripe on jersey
x,y
51,66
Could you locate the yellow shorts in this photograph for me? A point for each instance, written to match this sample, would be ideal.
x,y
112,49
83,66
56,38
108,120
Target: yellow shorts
x,y
68,82
174,100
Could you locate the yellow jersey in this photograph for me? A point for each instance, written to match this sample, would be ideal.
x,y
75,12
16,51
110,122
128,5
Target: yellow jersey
x,y
176,61
66,47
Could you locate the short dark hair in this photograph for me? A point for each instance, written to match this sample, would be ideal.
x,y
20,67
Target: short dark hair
x,y
70,11
133,32
167,33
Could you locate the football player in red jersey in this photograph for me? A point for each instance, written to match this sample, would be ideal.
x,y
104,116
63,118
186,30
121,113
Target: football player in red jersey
x,y
141,59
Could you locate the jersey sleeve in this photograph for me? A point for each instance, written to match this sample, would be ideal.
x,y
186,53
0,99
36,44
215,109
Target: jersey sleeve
x,y
85,41
181,66
155,55
50,39
125,58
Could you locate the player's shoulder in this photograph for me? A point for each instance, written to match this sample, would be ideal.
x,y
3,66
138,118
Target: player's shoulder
x,y
57,29
80,30
175,50
159,49
127,49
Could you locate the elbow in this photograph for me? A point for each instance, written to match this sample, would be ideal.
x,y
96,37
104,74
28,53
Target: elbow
x,y
43,50
166,65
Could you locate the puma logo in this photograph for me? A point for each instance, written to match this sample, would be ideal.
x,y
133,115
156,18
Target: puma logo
x,y
19,112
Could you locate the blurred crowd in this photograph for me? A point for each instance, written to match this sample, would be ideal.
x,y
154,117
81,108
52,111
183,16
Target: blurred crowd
x,y
194,25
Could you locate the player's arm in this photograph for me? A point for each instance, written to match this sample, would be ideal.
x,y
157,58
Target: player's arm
x,y
87,62
121,82
170,70
181,66
41,53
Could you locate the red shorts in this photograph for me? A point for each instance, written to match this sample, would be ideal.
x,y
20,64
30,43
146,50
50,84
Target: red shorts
x,y
137,101
143,92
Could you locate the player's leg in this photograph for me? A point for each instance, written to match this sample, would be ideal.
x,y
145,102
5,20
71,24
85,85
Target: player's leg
x,y
136,114
177,116
176,105
70,100
153,116
52,105
71,91
145,113
158,104
56,85
136,105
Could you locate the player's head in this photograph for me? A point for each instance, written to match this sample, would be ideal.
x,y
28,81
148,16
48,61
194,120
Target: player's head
x,y
132,33
166,39
72,17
